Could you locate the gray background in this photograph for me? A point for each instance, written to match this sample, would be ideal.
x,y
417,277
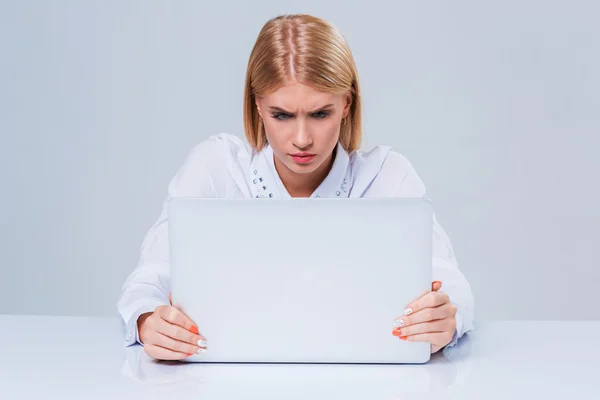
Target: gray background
x,y
495,103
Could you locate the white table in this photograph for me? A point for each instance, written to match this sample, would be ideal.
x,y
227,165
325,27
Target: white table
x,y
45,357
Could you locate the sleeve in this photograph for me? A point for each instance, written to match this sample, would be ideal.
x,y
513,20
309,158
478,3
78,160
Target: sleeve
x,y
445,266
149,284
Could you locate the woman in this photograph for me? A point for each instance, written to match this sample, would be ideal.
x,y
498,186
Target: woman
x,y
302,117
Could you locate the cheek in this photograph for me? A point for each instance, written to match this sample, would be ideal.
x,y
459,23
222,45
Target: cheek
x,y
271,132
329,133
276,129
278,139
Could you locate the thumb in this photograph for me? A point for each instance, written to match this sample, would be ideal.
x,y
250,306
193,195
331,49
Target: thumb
x,y
435,286
170,299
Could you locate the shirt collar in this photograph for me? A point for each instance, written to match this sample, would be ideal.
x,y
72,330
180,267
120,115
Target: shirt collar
x,y
265,181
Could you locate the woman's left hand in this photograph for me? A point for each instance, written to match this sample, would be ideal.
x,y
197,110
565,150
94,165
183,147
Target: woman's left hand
x,y
430,318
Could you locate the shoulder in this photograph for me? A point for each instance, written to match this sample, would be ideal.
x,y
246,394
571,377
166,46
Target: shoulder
x,y
218,148
397,164
208,164
396,175
365,167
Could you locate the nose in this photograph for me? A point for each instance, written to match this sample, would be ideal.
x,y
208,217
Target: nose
x,y
302,139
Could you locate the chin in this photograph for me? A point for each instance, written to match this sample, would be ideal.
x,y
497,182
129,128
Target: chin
x,y
302,169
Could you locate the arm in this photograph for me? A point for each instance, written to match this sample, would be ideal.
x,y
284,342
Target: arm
x,y
445,266
149,284
455,285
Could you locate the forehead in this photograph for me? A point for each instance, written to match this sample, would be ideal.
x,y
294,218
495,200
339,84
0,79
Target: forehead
x,y
296,96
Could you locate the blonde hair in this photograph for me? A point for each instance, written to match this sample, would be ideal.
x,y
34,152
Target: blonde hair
x,y
311,51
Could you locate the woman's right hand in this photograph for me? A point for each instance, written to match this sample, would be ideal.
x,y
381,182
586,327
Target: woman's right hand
x,y
168,334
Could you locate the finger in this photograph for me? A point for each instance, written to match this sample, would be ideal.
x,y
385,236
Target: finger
x,y
176,317
175,345
160,353
170,299
435,286
435,348
435,338
194,328
426,315
431,299
178,333
442,325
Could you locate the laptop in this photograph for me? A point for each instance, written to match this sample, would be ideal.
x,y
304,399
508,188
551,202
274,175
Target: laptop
x,y
298,280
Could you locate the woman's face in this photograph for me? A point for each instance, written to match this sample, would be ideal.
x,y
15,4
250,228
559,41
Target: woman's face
x,y
302,125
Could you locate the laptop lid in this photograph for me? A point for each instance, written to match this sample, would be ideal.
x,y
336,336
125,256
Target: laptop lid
x,y
301,280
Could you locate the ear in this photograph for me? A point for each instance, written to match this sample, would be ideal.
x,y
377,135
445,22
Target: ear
x,y
348,103
256,101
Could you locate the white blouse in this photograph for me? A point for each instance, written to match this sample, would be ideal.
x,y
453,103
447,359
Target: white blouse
x,y
225,166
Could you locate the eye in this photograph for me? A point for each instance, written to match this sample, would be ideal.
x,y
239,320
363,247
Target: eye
x,y
280,116
321,114
283,116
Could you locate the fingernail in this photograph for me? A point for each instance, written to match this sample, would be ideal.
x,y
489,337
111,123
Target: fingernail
x,y
194,329
200,351
402,337
408,311
396,332
398,322
190,354
202,343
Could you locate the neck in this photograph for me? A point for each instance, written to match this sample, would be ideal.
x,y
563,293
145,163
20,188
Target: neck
x,y
303,185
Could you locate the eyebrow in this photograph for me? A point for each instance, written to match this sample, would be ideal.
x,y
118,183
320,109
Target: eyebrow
x,y
287,112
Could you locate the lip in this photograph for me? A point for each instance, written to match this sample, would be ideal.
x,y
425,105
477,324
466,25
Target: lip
x,y
302,154
303,158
